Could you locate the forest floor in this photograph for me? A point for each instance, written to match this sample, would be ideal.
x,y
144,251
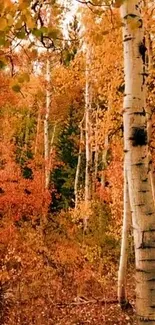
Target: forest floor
x,y
53,283
94,307
93,314
89,310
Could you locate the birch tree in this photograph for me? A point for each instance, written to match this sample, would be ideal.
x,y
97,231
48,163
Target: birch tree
x,y
136,160
46,124
77,174
122,294
87,135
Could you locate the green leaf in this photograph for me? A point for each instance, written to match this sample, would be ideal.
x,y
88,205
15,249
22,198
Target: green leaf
x,y
43,30
53,33
2,65
21,34
16,88
2,41
36,32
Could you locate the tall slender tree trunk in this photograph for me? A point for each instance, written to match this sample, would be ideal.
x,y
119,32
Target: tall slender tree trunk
x,y
51,149
46,124
136,157
122,294
149,114
96,156
149,48
37,132
104,159
87,137
78,165
27,131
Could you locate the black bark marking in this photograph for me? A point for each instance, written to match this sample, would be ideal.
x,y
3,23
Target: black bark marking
x,y
125,305
149,213
130,16
140,23
147,260
142,243
150,230
138,164
138,137
142,271
145,246
145,180
141,113
142,50
127,39
145,74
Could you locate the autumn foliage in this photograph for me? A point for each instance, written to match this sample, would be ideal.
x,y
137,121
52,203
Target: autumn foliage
x,y
50,265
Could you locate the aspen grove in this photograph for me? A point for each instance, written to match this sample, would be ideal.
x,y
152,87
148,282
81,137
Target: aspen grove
x,y
77,162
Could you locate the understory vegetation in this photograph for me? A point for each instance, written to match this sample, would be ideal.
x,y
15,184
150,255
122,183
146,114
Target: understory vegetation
x,y
61,161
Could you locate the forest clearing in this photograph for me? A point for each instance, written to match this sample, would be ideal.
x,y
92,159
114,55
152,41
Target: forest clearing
x,y
77,162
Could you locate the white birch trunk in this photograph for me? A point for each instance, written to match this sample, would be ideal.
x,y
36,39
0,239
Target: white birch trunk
x,y
136,157
104,159
37,132
96,158
150,49
46,125
149,117
149,133
122,294
78,166
51,152
27,131
87,136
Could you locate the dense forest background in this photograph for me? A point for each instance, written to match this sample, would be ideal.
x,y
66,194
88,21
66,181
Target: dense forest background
x,y
61,162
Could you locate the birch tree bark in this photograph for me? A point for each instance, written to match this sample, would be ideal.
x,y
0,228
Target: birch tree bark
x,y
136,157
87,136
37,132
96,155
122,294
78,165
104,159
46,122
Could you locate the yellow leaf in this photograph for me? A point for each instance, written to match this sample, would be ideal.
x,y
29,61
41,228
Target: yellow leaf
x,y
19,24
3,23
23,5
30,22
9,19
23,77
8,3
118,3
